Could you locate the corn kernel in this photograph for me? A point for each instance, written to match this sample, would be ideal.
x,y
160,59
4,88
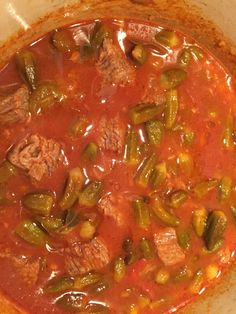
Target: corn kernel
x,y
87,230
162,277
143,301
212,271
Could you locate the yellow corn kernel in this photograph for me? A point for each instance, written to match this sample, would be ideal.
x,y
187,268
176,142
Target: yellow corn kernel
x,y
87,230
143,301
212,271
162,277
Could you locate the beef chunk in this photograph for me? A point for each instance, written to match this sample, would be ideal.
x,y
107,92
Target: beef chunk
x,y
113,66
81,258
168,248
15,107
36,155
111,134
109,206
152,91
28,270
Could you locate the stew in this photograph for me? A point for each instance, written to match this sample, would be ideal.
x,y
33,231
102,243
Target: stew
x,y
117,174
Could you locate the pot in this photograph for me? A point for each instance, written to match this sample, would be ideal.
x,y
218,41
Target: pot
x,y
212,23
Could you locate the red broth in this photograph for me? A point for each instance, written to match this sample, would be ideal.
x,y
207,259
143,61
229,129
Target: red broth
x,y
180,263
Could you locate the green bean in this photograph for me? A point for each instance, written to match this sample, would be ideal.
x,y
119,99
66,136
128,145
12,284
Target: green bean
x,y
146,248
40,204
90,152
86,280
196,52
184,57
145,149
183,273
184,240
130,251
91,194
145,112
167,38
50,224
132,155
139,54
93,308
29,231
145,170
158,175
63,40
79,127
199,221
72,301
44,96
100,32
228,141
74,183
185,162
59,285
7,170
201,189
162,214
71,219
119,269
172,108
154,130
225,188
177,198
141,213
197,282
172,78
216,225
27,66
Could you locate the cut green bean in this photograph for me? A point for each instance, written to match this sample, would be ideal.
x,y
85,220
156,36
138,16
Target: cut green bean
x,y
199,221
184,240
72,301
51,224
197,282
167,38
90,152
74,183
100,32
44,96
132,155
184,57
186,164
93,308
145,170
119,269
59,285
130,251
146,248
27,66
216,225
177,198
225,188
201,189
145,112
182,274
91,194
158,175
40,204
154,130
29,231
162,214
71,219
86,280
172,78
63,40
139,54
141,213
7,170
172,108
79,127
228,131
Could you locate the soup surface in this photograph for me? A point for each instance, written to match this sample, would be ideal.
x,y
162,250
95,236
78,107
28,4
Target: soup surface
x,y
118,169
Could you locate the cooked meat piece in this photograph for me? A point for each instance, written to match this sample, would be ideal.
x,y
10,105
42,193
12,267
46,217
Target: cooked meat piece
x,y
152,92
36,155
81,258
113,66
27,270
111,134
168,248
15,107
109,206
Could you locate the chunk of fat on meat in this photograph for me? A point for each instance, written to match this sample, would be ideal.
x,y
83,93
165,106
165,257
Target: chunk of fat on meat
x,y
168,249
81,258
37,155
111,134
110,207
15,107
113,66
